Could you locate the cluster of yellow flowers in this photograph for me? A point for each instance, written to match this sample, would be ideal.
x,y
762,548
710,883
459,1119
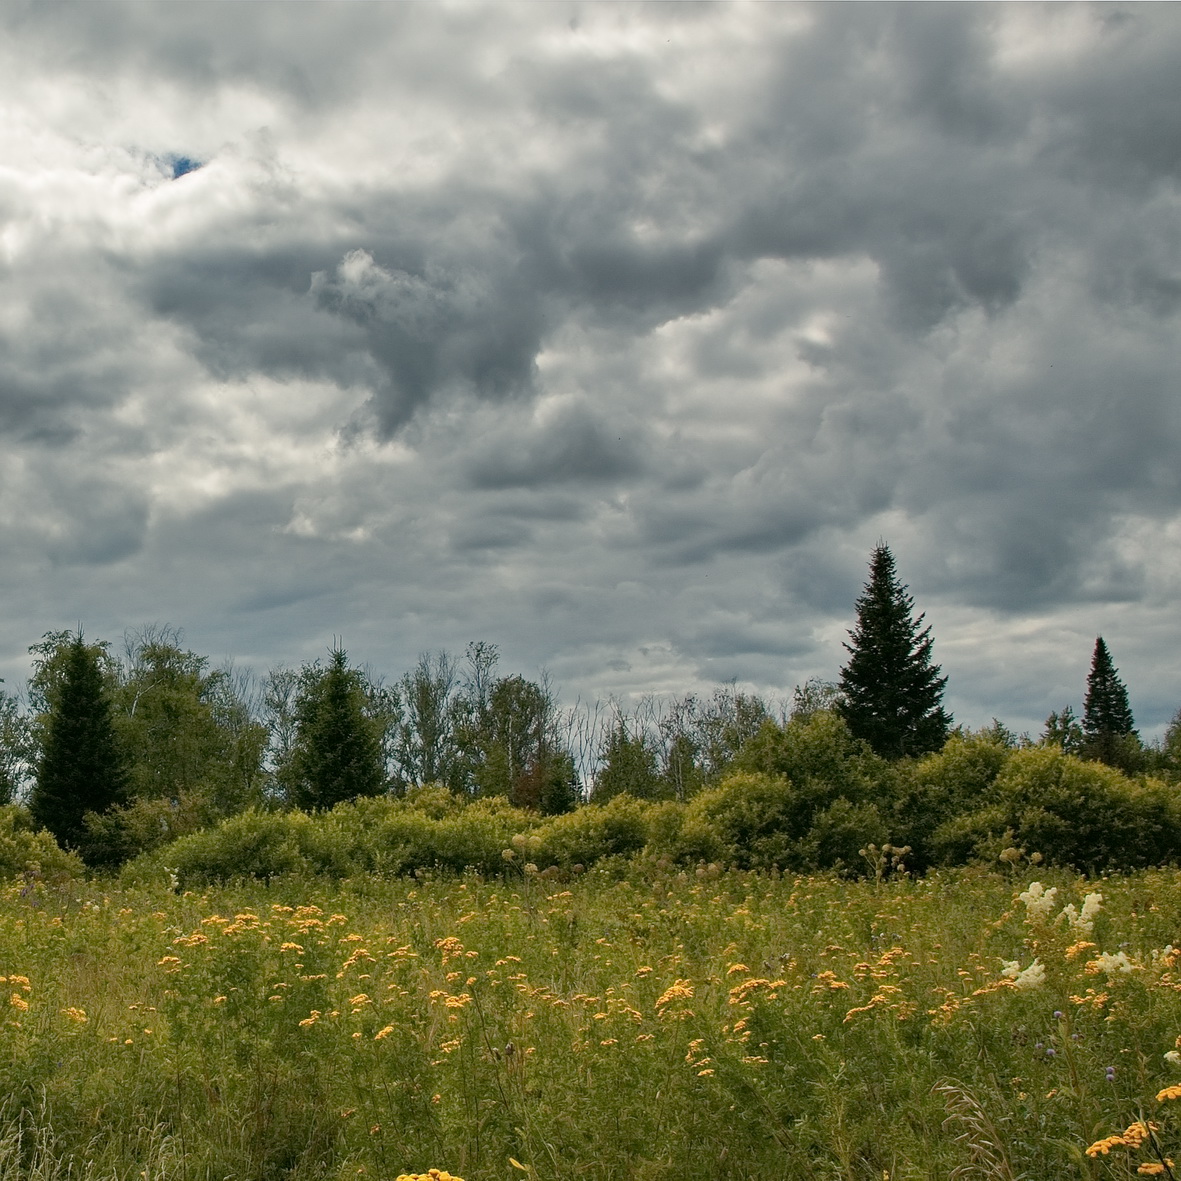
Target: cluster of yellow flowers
x,y
429,1175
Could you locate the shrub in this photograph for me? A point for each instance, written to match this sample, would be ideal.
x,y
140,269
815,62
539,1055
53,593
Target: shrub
x,y
819,755
1086,815
618,827
943,787
26,849
750,820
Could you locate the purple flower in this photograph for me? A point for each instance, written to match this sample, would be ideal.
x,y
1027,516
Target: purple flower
x,y
1057,1014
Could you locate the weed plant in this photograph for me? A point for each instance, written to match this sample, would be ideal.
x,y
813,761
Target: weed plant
x,y
631,1022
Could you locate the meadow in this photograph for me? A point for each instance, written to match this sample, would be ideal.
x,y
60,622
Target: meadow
x,y
634,1021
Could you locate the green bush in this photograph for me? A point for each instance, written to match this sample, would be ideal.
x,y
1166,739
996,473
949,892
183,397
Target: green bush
x,y
752,821
941,789
27,849
1086,815
618,827
819,755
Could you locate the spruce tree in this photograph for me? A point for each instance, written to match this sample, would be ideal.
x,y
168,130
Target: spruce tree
x,y
1108,726
337,749
82,768
891,693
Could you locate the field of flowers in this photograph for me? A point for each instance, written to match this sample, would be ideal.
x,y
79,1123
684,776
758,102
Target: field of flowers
x,y
644,1023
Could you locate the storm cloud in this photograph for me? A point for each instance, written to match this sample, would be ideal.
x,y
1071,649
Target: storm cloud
x,y
616,335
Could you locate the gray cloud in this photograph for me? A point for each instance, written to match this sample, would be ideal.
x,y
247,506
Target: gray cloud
x,y
617,335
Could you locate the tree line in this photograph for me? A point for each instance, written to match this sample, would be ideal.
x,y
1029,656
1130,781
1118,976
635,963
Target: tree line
x,y
117,754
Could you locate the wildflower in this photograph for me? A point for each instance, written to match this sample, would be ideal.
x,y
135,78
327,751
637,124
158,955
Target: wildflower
x,y
18,1002
1033,977
78,1015
1111,964
1082,922
1154,1168
678,990
1038,900
383,1033
1110,1074
311,1019
1173,1058
1173,1092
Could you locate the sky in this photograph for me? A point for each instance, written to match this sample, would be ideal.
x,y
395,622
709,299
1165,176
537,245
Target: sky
x,y
614,335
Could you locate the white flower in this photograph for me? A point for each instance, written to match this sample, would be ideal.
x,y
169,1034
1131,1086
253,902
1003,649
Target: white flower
x,y
1033,977
1173,1058
1010,969
1082,922
1113,964
1038,900
1092,904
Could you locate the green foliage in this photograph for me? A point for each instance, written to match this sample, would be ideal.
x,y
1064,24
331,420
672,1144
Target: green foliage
x,y
26,850
753,820
146,823
939,788
1064,731
17,756
1088,816
337,749
82,767
819,754
1108,726
619,827
628,765
185,730
509,742
428,747
891,693
1073,813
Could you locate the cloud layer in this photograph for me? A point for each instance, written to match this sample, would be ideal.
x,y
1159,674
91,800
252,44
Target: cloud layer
x,y
616,335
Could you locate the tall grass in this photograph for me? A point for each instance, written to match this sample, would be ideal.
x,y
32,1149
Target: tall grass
x,y
627,1023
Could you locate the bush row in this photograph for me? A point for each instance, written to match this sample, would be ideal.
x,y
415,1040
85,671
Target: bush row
x,y
803,797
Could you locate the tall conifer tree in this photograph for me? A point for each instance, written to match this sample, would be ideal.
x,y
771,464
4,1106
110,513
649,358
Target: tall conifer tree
x,y
891,693
82,768
337,750
1108,725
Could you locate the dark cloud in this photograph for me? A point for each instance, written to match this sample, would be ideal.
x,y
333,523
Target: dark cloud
x,y
614,334
573,445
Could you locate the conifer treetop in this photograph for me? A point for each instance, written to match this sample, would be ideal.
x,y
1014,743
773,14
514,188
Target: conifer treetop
x,y
1106,710
891,691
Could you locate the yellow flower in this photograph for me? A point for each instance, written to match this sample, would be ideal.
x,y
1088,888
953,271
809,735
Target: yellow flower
x,y
18,1002
1154,1168
312,1018
1173,1092
78,1015
383,1033
677,991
